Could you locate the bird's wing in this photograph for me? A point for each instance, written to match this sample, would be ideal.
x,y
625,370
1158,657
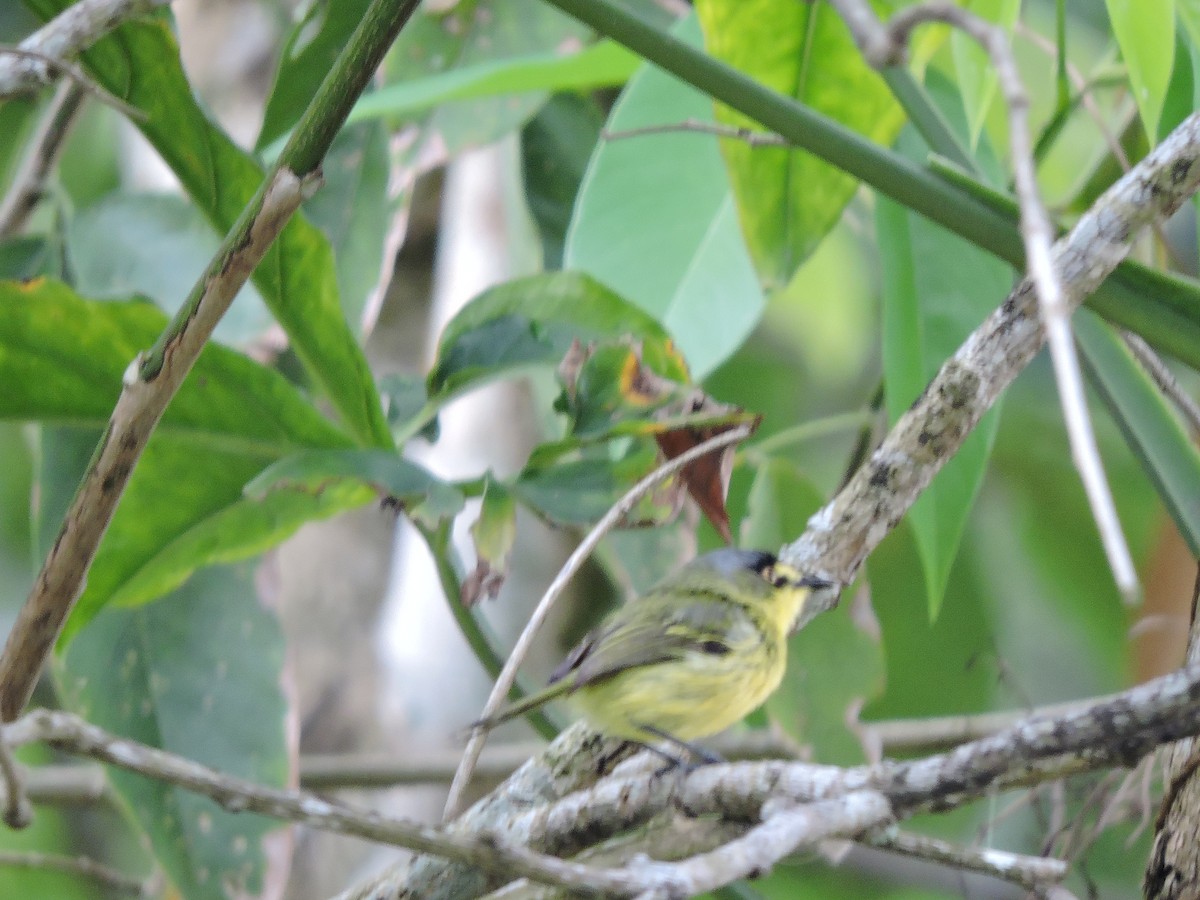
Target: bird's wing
x,y
698,625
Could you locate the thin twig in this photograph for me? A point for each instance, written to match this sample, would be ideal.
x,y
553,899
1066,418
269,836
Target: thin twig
x,y
29,182
508,675
71,734
1114,730
1164,378
81,865
65,36
17,811
886,44
935,732
1029,872
78,76
695,126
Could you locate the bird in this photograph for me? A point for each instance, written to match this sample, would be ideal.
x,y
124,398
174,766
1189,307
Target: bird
x,y
692,656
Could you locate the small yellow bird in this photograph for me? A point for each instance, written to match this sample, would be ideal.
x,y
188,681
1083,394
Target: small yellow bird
x,y
697,653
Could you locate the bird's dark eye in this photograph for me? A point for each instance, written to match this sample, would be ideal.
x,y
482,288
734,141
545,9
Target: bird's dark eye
x,y
774,577
716,648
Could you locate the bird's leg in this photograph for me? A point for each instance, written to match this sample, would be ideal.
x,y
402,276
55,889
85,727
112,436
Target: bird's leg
x,y
705,757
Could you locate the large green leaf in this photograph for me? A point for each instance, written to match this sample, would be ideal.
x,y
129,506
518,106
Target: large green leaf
x,y
61,360
975,69
655,219
933,667
928,310
788,200
308,54
472,37
555,147
199,674
140,63
1153,431
1145,32
533,320
353,211
601,65
383,473
157,245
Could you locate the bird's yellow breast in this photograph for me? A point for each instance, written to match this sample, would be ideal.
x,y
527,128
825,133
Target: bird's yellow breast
x,y
692,697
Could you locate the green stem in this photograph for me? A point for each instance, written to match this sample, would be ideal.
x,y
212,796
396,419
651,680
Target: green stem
x,y
482,643
928,119
887,172
806,431
1120,299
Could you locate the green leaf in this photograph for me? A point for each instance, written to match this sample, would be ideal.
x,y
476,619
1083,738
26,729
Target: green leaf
x,y
61,360
929,309
788,200
1145,32
555,147
22,258
384,473
580,491
310,51
1149,425
481,38
198,674
139,62
618,389
673,189
937,667
531,320
976,72
601,65
156,245
352,209
833,664
493,534
18,116
408,410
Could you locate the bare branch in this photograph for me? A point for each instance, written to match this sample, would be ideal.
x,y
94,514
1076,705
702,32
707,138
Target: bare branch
x,y
883,45
1117,730
79,77
29,182
1029,872
694,126
66,35
71,734
81,865
1162,376
846,530
144,396
936,732
619,510
17,811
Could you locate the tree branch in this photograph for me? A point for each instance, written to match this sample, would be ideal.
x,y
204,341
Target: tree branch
x,y
29,182
883,45
65,36
152,379
843,533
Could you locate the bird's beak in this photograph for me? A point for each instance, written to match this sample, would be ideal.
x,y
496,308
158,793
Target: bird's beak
x,y
823,595
814,582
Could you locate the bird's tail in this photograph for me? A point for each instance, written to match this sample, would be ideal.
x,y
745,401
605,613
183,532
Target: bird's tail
x,y
524,705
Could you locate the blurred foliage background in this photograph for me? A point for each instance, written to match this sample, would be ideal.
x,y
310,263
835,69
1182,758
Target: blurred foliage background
x,y
767,278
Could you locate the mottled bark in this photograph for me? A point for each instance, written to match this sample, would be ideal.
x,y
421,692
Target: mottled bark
x,y
1173,872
